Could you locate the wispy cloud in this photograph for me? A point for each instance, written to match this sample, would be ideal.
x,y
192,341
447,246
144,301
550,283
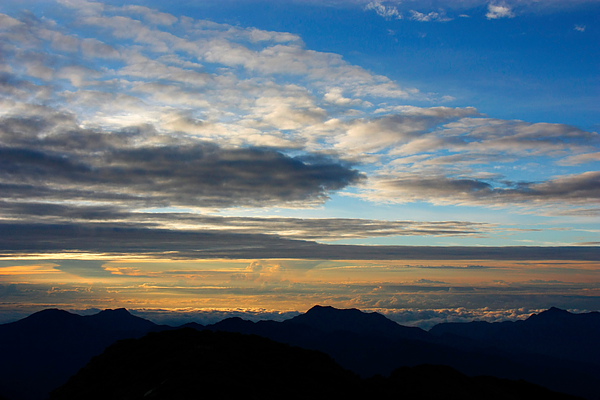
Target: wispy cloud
x,y
383,10
447,10
430,16
574,189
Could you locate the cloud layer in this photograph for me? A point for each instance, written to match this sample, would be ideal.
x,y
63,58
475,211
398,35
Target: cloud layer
x,y
132,104
50,158
123,240
126,130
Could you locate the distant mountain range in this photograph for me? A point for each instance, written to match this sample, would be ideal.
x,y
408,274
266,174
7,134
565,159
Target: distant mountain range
x,y
555,349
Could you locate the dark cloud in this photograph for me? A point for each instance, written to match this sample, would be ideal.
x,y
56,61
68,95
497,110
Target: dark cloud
x,y
571,189
51,158
296,228
126,240
585,186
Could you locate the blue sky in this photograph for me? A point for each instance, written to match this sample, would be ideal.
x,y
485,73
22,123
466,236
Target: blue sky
x,y
256,131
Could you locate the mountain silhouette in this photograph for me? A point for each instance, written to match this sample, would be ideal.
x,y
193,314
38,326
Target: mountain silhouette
x,y
554,332
190,364
370,344
555,348
41,351
434,382
329,319
120,320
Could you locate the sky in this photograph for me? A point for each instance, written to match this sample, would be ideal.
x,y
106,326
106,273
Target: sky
x,y
429,159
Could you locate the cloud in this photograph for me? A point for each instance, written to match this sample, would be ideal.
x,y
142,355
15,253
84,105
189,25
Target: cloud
x,y
67,162
580,159
262,271
123,240
431,16
429,281
407,124
577,189
580,28
500,10
322,229
431,157
462,268
111,110
389,12
151,15
446,10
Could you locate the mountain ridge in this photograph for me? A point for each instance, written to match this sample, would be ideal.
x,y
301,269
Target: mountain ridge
x,y
185,363
42,350
330,319
554,332
368,344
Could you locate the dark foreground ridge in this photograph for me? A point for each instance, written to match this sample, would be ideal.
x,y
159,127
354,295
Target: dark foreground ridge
x,y
189,364
554,349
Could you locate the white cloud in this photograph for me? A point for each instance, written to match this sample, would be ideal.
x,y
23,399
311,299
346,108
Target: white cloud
x,y
497,11
259,35
580,159
393,130
580,28
336,96
150,15
431,16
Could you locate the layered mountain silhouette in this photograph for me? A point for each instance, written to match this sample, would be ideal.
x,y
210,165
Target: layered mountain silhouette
x,y
189,364
555,332
555,349
370,344
42,351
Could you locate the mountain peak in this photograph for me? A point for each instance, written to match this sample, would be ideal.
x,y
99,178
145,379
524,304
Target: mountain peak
x,y
551,314
115,312
53,312
119,319
317,309
556,310
331,319
50,316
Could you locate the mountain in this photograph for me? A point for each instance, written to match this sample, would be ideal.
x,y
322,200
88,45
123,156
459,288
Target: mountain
x,y
120,320
555,333
330,319
43,350
189,364
434,382
370,344
186,363
555,349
